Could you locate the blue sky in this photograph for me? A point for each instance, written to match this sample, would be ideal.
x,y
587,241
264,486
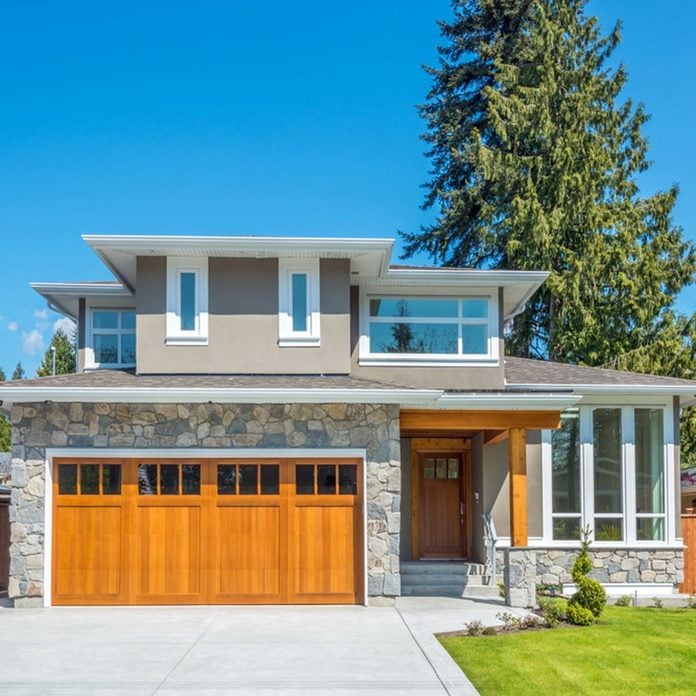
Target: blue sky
x,y
250,118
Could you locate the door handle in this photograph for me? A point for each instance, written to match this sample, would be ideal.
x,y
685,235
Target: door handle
x,y
461,513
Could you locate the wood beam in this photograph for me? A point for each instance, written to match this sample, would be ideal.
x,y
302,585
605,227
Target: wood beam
x,y
432,421
517,459
493,437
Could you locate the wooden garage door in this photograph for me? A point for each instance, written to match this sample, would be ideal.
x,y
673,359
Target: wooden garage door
x,y
251,531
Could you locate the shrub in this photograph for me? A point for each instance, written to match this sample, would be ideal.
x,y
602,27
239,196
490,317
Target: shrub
x,y
624,601
490,631
579,615
510,621
590,594
691,602
551,613
531,621
658,603
474,628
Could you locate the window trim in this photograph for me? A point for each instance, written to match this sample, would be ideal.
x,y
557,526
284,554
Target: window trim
x,y
175,335
629,515
491,357
90,361
287,337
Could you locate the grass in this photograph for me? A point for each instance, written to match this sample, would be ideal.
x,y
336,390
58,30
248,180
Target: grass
x,y
629,651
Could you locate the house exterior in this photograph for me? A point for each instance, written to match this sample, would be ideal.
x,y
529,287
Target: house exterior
x,y
295,420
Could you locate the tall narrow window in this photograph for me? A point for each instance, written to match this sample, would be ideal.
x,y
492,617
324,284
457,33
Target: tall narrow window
x,y
187,301
650,474
608,474
298,302
566,478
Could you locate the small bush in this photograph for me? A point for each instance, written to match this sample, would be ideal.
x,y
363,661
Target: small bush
x,y
474,628
489,631
658,603
580,616
551,613
501,589
590,595
510,621
624,601
531,621
691,602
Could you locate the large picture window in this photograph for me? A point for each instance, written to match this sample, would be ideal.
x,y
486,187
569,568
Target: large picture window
x,y
112,338
608,469
429,327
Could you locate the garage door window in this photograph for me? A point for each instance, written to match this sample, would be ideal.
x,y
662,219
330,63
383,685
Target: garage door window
x,y
89,479
169,479
248,479
326,479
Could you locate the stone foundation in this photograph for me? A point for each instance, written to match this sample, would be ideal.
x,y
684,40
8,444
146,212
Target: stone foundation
x,y
38,426
627,565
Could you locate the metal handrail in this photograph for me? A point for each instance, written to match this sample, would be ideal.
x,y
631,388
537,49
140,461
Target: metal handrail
x,y
490,540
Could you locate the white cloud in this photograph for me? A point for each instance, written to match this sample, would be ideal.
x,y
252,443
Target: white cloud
x,y
64,324
32,342
12,326
41,313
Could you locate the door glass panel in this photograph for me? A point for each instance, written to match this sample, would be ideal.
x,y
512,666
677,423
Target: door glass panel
x,y
304,479
326,479
191,479
452,468
169,479
147,479
248,479
226,479
429,470
348,479
67,479
111,479
270,479
89,479
440,468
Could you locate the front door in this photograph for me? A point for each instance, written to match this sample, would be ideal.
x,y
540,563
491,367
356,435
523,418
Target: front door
x,y
442,505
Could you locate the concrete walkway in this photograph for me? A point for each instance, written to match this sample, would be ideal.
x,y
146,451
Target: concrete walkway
x,y
255,651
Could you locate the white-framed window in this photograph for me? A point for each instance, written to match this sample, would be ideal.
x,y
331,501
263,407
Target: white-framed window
x,y
610,468
110,338
298,302
187,301
428,329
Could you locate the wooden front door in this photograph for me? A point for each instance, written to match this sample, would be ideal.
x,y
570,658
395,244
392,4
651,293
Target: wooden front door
x,y
440,480
252,531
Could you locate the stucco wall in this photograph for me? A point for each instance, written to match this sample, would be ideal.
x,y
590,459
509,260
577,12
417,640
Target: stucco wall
x,y
374,428
243,322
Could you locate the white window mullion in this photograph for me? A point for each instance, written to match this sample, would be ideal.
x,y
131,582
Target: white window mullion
x,y
670,481
629,467
587,458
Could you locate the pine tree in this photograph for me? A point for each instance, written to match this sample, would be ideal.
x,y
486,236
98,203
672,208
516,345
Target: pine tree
x,y
535,161
19,372
3,376
65,356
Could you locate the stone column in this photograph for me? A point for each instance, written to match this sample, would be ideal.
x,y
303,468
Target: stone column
x,y
520,577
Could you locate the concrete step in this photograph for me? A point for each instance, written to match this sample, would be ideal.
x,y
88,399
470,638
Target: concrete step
x,y
448,579
431,591
458,568
481,592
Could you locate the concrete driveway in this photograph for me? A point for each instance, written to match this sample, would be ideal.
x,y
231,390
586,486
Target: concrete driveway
x,y
234,650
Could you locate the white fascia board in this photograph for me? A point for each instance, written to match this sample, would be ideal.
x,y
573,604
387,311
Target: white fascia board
x,y
218,395
111,289
617,389
509,402
467,276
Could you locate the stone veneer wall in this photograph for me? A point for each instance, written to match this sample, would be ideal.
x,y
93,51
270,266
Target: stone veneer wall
x,y
629,565
38,426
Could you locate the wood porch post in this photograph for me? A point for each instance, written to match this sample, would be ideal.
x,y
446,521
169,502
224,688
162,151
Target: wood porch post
x,y
517,456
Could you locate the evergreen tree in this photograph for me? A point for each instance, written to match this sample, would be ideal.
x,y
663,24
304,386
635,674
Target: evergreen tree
x,y
3,377
535,164
65,356
5,429
19,372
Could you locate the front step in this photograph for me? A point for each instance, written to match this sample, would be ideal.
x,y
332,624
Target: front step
x,y
445,579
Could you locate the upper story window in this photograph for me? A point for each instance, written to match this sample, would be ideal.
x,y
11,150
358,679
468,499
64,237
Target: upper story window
x,y
187,301
111,338
298,302
401,328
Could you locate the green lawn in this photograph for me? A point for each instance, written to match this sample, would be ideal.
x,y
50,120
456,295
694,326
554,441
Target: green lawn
x,y
629,651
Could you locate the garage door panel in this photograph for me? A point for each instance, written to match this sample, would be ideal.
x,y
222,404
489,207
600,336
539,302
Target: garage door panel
x,y
247,560
88,553
169,552
324,552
